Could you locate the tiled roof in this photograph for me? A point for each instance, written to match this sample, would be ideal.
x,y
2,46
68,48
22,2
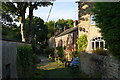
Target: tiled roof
x,y
67,31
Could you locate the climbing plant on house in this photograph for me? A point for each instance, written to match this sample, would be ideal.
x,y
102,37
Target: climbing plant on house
x,y
82,43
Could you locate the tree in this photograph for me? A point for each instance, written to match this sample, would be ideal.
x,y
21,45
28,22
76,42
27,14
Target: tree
x,y
11,33
70,22
32,6
16,9
39,33
51,28
107,19
61,23
39,29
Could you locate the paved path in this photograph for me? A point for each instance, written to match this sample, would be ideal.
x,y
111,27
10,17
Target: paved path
x,y
44,61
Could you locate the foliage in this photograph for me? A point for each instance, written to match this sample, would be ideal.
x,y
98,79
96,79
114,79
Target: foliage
x,y
49,51
26,61
17,10
51,28
32,6
82,43
60,52
40,74
8,13
107,19
39,30
11,33
61,23
57,26
100,51
39,34
74,54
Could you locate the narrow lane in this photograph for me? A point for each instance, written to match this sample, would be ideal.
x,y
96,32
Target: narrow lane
x,y
53,70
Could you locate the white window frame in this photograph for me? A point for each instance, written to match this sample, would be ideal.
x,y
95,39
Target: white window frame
x,y
97,40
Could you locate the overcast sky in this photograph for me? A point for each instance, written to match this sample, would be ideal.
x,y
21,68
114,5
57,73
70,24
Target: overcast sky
x,y
62,9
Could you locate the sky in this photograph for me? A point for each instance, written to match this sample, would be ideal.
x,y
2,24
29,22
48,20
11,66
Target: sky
x,y
62,9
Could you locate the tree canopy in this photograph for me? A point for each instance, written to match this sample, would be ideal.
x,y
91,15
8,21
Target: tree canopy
x,y
39,29
17,10
51,28
55,27
61,23
107,17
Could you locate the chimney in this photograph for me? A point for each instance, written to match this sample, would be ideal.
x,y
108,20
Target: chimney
x,y
75,23
66,27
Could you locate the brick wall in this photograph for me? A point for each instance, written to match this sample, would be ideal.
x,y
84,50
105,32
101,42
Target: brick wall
x,y
93,64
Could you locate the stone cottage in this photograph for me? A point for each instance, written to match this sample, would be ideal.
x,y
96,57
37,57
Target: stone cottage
x,y
67,40
88,26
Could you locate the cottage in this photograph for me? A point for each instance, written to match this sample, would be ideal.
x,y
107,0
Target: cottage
x,y
67,40
88,26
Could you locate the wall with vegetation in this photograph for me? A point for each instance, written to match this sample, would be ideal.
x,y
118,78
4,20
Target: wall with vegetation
x,y
9,50
98,66
9,54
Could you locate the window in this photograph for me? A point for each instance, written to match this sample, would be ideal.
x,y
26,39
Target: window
x,y
98,42
92,22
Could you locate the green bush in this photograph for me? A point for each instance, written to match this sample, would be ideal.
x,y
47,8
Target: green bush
x,y
48,51
26,61
82,42
100,51
60,52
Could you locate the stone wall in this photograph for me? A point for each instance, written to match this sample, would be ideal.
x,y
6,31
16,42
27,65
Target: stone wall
x,y
9,53
106,67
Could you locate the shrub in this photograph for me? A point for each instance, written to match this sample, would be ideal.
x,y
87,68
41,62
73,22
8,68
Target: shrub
x,y
82,43
26,61
48,51
60,52
100,51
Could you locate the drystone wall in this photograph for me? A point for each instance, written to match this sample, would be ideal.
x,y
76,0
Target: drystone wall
x,y
100,66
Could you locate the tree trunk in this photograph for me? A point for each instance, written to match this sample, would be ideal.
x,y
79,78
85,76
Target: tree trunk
x,y
22,25
23,7
30,22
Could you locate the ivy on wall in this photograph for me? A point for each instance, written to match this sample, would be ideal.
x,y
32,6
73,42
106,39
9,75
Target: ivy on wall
x,y
82,43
